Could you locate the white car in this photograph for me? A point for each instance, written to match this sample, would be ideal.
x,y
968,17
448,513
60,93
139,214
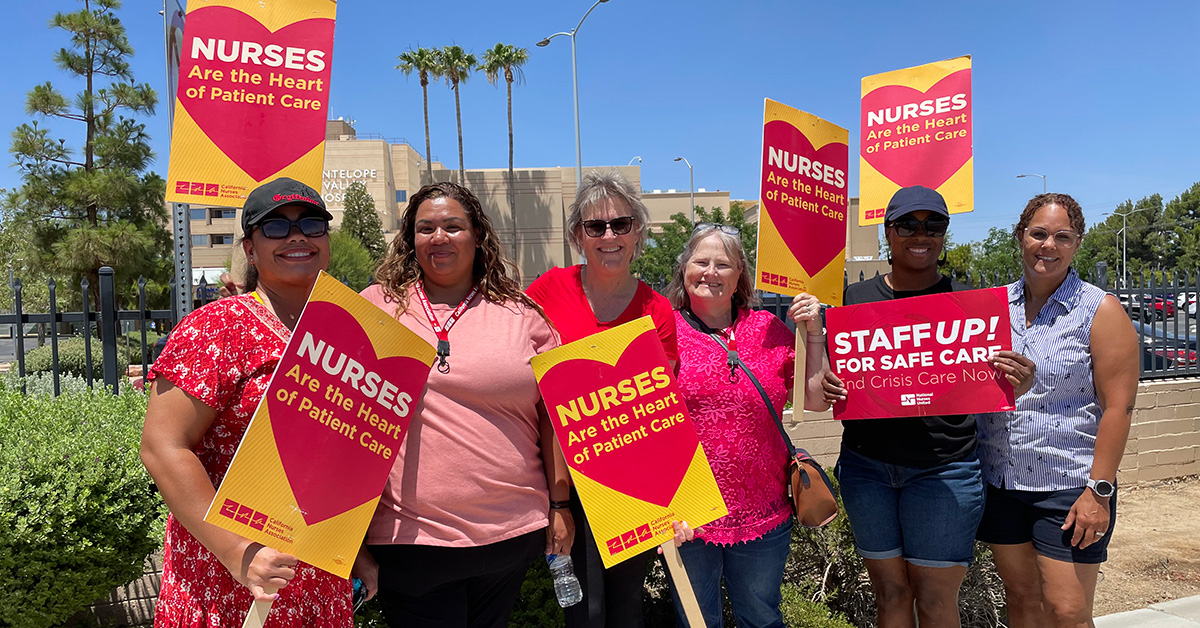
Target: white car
x,y
1187,301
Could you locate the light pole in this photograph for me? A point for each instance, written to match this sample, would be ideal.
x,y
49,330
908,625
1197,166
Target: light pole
x,y
1125,241
1043,177
575,82
637,159
691,187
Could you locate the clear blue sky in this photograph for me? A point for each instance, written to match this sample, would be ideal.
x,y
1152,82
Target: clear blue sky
x,y
1102,97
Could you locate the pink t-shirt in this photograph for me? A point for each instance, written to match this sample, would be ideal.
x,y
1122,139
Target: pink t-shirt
x,y
744,448
469,471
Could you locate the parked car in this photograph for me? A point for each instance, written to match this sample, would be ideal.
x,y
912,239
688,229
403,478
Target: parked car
x,y
1186,301
1146,307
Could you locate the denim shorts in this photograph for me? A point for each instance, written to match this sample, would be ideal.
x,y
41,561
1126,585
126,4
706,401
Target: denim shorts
x,y
927,516
1013,517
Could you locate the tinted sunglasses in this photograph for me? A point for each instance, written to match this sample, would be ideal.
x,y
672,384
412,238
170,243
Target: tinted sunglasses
x,y
704,226
280,228
619,226
934,226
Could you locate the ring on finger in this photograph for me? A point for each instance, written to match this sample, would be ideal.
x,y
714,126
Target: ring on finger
x,y
1099,534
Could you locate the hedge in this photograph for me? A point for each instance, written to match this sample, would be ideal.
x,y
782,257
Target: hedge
x,y
77,513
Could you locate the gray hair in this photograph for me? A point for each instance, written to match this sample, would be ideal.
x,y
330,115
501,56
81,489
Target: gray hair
x,y
743,296
597,187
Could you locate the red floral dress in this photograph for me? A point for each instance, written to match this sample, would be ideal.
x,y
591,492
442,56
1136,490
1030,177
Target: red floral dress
x,y
744,448
224,355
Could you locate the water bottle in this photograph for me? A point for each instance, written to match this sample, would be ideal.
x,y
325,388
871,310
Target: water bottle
x,y
566,585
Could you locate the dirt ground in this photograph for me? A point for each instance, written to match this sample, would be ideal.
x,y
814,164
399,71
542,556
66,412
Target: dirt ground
x,y
1154,555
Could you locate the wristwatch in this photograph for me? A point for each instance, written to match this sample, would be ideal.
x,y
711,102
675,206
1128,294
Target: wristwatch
x,y
1102,488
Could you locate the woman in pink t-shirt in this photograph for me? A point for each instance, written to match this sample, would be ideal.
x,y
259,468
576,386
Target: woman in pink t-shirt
x,y
468,504
711,291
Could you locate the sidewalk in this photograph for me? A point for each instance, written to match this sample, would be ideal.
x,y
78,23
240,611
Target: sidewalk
x,y
1183,613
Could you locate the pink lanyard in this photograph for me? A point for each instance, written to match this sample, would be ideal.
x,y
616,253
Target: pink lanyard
x,y
443,331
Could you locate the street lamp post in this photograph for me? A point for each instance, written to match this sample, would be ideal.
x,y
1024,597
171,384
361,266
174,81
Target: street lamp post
x,y
1125,240
1043,177
691,186
637,159
575,83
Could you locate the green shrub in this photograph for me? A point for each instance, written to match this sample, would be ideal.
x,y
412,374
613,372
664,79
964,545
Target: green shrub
x,y
799,611
42,384
77,516
537,607
72,358
130,344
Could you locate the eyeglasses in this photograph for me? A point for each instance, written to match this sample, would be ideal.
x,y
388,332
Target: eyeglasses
x,y
619,226
934,226
1065,239
280,228
704,226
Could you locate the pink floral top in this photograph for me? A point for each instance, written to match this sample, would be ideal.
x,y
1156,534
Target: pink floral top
x,y
744,448
224,355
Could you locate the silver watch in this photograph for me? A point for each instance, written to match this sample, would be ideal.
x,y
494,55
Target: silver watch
x,y
1102,488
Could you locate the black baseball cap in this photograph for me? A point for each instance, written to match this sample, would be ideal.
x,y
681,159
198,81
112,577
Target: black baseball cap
x,y
914,199
272,195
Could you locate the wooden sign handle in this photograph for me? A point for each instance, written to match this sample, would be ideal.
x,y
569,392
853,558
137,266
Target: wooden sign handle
x,y
800,374
257,616
683,586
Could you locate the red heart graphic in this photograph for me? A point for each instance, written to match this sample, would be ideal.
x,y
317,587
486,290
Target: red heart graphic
x,y
260,137
650,468
933,161
330,472
797,225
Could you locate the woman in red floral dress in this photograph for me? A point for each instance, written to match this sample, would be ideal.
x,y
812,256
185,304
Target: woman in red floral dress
x,y
206,386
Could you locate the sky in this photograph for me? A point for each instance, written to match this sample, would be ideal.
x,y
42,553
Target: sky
x,y
1101,97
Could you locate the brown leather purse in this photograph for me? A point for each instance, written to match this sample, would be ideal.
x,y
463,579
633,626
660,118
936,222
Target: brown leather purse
x,y
813,503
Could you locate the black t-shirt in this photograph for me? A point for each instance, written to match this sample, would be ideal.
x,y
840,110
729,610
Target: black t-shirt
x,y
920,442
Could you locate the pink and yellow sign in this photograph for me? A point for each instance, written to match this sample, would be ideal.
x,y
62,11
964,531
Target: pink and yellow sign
x,y
629,442
802,223
314,460
916,130
252,99
922,355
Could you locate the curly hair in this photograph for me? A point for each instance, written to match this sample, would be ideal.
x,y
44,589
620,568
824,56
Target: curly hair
x,y
744,294
499,280
1074,212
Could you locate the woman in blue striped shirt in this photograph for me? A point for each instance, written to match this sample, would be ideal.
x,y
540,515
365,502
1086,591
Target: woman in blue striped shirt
x,y
1051,464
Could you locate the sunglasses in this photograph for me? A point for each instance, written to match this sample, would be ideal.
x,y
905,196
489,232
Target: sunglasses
x,y
704,226
280,228
619,226
934,226
1065,239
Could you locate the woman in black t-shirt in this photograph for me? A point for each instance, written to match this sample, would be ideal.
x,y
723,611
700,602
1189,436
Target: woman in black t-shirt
x,y
912,487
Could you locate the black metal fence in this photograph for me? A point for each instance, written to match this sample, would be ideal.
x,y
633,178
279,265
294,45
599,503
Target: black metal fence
x,y
1162,306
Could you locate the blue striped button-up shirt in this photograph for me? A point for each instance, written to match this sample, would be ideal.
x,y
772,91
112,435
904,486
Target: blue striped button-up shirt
x,y
1047,443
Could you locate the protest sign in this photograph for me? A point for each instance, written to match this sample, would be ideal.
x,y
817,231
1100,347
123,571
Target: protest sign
x,y
921,355
624,429
802,222
309,471
916,130
253,97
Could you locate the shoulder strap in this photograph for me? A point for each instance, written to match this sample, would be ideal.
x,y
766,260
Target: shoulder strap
x,y
766,400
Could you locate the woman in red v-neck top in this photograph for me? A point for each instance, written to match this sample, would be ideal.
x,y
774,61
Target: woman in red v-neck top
x,y
608,224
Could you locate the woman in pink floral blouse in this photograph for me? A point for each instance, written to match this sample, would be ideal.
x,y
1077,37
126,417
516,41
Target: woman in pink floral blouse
x,y
711,292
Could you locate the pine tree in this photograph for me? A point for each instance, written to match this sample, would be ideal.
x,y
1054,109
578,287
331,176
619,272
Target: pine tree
x,y
78,211
362,222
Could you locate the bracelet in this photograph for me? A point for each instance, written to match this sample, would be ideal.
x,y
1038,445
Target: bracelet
x,y
559,505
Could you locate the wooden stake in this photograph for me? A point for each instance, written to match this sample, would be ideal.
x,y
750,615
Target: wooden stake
x,y
683,586
258,614
800,374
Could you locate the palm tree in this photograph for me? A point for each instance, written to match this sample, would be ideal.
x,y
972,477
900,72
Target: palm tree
x,y
423,61
456,66
509,59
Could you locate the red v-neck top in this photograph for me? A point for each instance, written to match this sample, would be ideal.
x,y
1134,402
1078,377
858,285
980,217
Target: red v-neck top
x,y
560,293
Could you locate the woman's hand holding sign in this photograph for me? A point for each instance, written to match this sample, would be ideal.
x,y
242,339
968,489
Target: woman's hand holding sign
x,y
1017,369
265,571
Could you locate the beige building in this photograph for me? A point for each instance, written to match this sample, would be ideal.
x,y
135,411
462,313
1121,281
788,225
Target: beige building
x,y
393,170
